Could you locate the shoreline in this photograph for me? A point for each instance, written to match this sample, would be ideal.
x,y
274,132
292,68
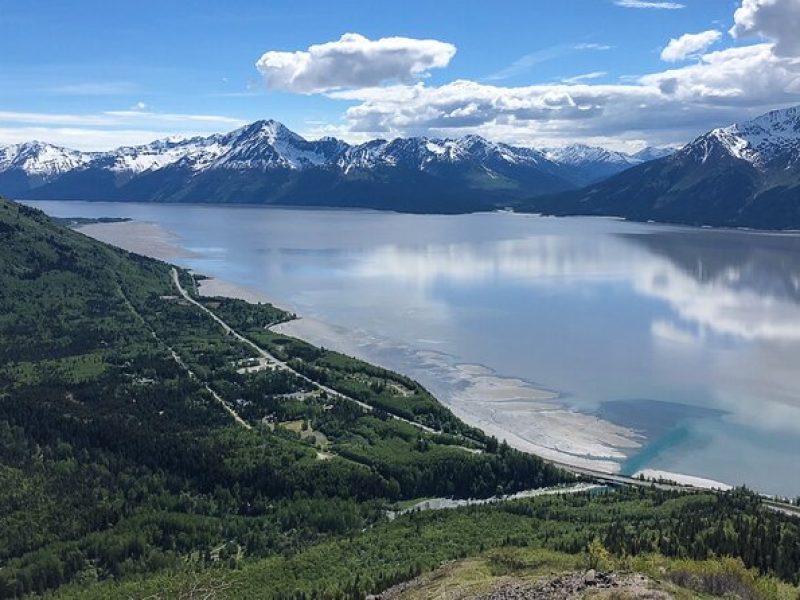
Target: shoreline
x,y
681,479
488,210
480,387
473,392
552,430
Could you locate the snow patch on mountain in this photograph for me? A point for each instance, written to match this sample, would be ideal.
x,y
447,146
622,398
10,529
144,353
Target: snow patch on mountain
x,y
652,153
581,154
155,155
266,145
765,140
269,144
40,160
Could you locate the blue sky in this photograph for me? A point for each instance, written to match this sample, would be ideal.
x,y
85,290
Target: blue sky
x,y
94,75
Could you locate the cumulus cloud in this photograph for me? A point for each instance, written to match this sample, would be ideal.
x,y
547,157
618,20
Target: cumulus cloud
x,y
353,61
748,76
652,5
689,44
667,107
463,106
777,20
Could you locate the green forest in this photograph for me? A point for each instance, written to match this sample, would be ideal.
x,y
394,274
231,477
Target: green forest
x,y
147,452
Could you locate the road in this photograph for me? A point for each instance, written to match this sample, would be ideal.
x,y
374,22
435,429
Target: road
x,y
599,476
182,364
279,364
596,476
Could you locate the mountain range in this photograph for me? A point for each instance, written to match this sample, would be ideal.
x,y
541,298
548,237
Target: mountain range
x,y
743,175
266,163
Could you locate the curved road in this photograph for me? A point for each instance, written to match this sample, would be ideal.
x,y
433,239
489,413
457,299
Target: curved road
x,y
597,476
279,363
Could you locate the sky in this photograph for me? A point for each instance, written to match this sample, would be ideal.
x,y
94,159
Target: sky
x,y
623,74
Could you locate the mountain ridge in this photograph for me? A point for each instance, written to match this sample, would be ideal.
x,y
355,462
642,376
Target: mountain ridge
x,y
265,162
744,175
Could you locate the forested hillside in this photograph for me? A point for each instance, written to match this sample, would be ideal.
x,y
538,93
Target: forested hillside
x,y
116,458
148,451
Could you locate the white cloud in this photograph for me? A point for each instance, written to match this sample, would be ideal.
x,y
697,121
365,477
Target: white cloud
x,y
106,130
742,78
777,20
689,44
353,61
668,107
585,77
664,108
85,138
654,5
527,62
177,118
113,118
592,46
107,88
516,114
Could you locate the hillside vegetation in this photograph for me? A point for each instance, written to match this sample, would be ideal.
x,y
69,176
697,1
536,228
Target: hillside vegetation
x,y
146,451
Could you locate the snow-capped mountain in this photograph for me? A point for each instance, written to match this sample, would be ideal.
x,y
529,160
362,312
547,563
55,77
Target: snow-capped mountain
x,y
263,145
266,162
588,164
40,161
425,153
745,174
581,154
769,141
652,153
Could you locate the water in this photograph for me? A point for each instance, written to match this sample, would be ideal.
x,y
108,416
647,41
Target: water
x,y
670,348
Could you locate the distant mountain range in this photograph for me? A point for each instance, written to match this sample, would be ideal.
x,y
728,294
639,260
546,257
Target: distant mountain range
x,y
266,163
744,175
588,164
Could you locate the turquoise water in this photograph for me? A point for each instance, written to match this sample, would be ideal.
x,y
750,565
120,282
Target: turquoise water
x,y
689,337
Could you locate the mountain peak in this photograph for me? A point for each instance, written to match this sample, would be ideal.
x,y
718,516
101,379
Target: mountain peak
x,y
778,122
652,153
742,175
269,129
268,146
41,160
772,139
473,140
583,154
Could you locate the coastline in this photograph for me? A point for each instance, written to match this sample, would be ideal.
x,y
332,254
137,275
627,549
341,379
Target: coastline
x,y
140,237
681,479
532,419
472,392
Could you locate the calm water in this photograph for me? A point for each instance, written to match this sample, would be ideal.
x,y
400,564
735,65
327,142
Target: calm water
x,y
689,338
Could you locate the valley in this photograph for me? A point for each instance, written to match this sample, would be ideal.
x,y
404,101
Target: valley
x,y
400,300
